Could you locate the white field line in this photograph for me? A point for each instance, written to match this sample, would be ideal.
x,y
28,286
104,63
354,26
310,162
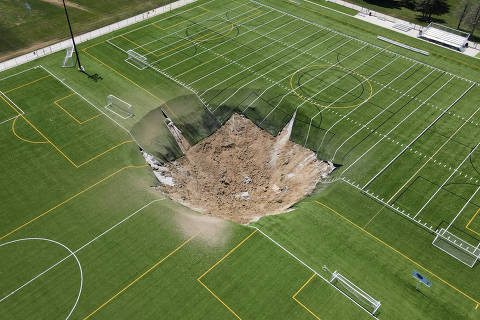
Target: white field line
x,y
361,41
283,63
463,208
225,42
16,74
9,119
345,94
76,251
6,97
251,66
419,135
446,180
71,254
396,126
354,109
170,16
185,28
380,83
243,57
289,90
87,101
397,209
385,109
311,269
194,43
288,75
430,158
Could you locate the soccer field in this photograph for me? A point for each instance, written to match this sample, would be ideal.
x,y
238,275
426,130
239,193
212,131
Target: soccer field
x,y
85,236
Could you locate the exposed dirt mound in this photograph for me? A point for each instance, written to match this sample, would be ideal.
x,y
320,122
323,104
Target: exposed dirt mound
x,y
241,172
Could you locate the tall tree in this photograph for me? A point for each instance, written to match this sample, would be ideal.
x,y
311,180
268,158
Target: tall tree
x,y
473,18
432,7
462,11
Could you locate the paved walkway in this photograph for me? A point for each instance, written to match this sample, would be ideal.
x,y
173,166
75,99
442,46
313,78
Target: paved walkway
x,y
395,24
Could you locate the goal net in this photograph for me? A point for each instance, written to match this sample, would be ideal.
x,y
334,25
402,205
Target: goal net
x,y
137,60
354,292
69,61
457,247
119,107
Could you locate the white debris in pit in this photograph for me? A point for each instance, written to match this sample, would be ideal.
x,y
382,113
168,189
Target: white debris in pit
x,y
158,169
243,196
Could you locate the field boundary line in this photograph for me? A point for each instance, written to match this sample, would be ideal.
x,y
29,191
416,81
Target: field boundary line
x,y
431,124
294,297
141,46
27,84
396,251
71,198
396,126
140,277
311,269
17,73
57,103
199,279
433,155
362,41
470,221
21,138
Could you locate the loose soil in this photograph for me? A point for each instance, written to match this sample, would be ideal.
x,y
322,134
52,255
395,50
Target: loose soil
x,y
241,172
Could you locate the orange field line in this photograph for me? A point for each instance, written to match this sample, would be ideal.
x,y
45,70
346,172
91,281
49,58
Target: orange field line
x,y
470,221
294,297
26,84
57,103
69,199
199,279
396,251
21,138
140,277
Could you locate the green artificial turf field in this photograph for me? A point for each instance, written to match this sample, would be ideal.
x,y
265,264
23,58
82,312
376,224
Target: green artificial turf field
x,y
84,235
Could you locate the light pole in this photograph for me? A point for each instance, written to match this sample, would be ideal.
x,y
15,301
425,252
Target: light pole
x,y
80,68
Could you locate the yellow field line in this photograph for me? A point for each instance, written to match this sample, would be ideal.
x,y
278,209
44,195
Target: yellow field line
x,y
404,41
179,23
69,199
396,251
26,84
140,277
294,297
23,139
104,152
470,221
57,103
431,157
199,279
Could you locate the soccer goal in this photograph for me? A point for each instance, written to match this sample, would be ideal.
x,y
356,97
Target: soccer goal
x,y
119,107
457,247
354,292
69,61
137,60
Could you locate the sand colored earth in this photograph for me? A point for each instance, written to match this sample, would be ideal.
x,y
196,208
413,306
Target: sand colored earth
x,y
241,172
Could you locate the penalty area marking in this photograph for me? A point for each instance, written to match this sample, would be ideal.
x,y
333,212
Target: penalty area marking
x,y
71,254
294,297
365,79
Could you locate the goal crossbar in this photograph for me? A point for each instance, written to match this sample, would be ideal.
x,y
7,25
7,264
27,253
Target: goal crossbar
x,y
353,290
119,107
457,247
137,60
68,61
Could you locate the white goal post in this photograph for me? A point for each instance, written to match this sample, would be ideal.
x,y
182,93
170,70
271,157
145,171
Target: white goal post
x,y
354,292
119,107
137,60
69,61
457,247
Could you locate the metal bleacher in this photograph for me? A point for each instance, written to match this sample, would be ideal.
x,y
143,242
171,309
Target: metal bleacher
x,y
446,36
